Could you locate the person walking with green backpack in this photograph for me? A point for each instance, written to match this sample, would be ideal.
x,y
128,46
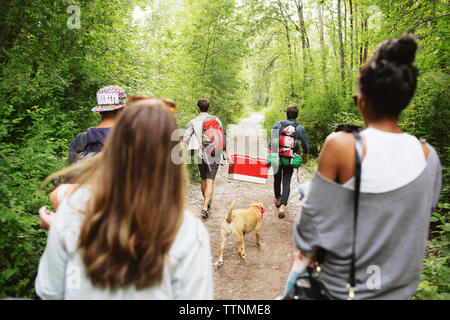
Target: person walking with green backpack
x,y
284,155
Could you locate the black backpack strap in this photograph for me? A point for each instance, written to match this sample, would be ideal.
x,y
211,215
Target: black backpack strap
x,y
285,124
358,159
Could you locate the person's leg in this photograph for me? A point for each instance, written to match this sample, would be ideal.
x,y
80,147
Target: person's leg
x,y
209,189
202,168
277,186
209,176
287,175
203,187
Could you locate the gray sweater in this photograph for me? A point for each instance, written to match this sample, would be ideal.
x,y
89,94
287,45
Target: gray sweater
x,y
391,239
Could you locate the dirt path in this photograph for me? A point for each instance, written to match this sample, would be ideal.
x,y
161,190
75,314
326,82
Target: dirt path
x,y
264,273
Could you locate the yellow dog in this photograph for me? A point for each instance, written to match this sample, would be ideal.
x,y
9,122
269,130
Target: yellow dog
x,y
239,222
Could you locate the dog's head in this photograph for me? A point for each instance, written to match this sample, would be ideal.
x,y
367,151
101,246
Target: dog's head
x,y
260,207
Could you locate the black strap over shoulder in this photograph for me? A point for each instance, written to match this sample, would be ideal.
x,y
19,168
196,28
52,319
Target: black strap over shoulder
x,y
316,290
358,160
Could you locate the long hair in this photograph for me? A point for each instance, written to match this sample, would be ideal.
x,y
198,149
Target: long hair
x,y
137,199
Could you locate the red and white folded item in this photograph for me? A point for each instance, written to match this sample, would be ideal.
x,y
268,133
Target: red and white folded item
x,y
244,168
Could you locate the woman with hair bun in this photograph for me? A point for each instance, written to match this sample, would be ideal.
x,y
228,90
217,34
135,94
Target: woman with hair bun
x,y
400,184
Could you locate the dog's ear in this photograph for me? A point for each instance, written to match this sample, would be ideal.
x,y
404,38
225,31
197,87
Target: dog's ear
x,y
259,205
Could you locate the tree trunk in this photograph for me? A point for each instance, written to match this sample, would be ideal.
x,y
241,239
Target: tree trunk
x,y
366,43
322,40
341,45
356,33
304,37
364,46
345,21
351,35
288,39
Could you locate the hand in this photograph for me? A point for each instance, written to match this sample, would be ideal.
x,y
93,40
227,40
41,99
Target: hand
x,y
303,158
46,217
227,157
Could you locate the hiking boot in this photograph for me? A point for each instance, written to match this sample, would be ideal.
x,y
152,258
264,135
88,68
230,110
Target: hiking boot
x,y
205,214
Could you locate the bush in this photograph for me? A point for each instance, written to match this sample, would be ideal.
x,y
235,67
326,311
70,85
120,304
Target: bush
x,y
24,163
435,280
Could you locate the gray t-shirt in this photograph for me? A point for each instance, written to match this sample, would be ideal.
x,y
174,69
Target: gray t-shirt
x,y
391,234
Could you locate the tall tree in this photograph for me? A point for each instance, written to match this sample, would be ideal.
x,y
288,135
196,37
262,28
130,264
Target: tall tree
x,y
351,35
304,36
322,40
284,20
341,44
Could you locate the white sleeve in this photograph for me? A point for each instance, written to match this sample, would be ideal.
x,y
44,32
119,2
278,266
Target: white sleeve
x,y
50,280
193,276
189,131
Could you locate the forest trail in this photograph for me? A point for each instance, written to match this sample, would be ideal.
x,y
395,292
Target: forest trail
x,y
264,273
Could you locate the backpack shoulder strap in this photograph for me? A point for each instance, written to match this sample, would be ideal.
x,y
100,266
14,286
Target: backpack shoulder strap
x,y
81,142
209,117
285,124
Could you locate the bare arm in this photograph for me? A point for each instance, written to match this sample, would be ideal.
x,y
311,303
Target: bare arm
x,y
337,158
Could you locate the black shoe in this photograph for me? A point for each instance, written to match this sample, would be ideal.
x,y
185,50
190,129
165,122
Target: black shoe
x,y
205,214
281,215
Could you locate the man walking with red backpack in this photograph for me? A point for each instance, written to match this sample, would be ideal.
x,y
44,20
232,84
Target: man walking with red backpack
x,y
206,138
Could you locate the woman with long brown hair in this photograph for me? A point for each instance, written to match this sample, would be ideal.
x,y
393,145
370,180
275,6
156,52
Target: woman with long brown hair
x,y
123,233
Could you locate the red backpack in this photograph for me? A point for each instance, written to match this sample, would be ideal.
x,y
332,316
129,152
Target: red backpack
x,y
213,137
287,140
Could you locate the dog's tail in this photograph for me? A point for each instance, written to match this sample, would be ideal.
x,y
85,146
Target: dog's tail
x,y
230,210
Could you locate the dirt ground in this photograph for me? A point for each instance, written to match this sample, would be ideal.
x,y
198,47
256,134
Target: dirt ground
x,y
264,273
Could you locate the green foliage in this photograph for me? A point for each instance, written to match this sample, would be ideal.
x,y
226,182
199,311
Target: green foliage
x,y
435,281
211,46
23,166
